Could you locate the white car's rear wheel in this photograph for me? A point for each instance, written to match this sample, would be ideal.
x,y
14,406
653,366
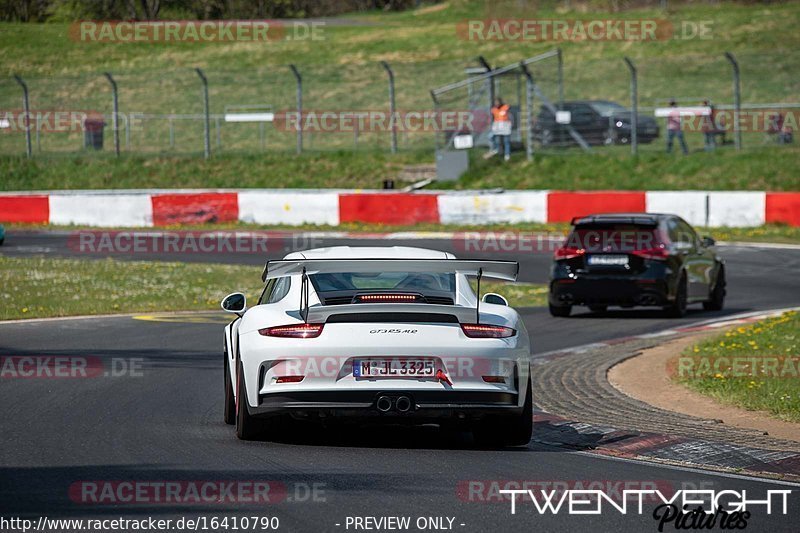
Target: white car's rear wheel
x,y
247,427
508,431
230,400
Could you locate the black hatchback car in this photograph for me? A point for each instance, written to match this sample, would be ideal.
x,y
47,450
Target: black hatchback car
x,y
597,121
636,259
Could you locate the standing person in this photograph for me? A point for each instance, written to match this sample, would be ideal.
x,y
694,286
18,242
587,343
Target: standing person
x,y
501,128
674,129
709,127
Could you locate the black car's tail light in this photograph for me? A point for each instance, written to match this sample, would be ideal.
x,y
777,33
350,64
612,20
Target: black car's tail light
x,y
485,331
293,331
566,252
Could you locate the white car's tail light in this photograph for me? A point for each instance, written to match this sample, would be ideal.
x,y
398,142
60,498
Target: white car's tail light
x,y
294,331
485,331
494,379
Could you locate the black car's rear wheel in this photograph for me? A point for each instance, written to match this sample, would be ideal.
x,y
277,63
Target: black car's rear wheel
x,y
678,307
560,310
716,299
230,400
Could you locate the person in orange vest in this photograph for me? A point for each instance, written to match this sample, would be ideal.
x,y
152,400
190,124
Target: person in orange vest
x,y
501,128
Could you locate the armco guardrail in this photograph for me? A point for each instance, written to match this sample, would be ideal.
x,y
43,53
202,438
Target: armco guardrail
x,y
152,208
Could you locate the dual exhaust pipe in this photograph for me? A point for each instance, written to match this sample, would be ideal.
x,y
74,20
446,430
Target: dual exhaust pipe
x,y
401,404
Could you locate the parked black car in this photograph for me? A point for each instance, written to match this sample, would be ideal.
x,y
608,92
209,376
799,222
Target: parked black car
x,y
597,121
637,259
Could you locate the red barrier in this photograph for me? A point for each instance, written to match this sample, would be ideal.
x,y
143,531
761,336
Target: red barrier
x,y
30,209
388,208
562,206
202,208
783,207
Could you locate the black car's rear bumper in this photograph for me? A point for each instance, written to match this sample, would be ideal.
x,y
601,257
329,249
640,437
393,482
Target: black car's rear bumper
x,y
597,290
433,405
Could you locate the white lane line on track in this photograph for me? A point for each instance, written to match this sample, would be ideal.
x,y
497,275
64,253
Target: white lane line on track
x,y
700,471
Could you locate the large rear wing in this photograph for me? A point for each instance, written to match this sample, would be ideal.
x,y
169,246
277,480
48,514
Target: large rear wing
x,y
504,270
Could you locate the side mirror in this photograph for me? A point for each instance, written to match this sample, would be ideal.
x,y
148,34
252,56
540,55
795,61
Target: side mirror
x,y
234,303
494,298
708,241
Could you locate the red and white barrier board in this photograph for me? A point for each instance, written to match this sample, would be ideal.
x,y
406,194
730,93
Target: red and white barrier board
x,y
295,207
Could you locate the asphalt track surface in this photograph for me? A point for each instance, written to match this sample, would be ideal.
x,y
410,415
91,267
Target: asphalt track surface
x,y
164,422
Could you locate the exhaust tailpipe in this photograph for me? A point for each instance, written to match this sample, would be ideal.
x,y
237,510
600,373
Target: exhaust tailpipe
x,y
384,404
403,404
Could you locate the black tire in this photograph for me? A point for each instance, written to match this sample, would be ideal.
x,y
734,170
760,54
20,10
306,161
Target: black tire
x,y
560,310
678,307
230,400
598,308
247,427
508,431
716,300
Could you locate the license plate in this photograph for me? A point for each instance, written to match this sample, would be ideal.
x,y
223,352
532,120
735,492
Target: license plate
x,y
393,367
608,260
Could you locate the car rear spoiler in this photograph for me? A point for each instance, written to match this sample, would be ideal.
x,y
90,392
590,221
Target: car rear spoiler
x,y
504,270
618,219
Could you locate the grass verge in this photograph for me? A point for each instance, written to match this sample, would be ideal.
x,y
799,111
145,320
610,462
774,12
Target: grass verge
x,y
517,294
766,168
43,287
756,367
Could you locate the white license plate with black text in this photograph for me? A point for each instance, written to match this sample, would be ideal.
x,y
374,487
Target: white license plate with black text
x,y
393,367
607,260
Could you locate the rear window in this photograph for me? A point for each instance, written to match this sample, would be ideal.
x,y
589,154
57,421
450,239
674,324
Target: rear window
x,y
416,282
613,237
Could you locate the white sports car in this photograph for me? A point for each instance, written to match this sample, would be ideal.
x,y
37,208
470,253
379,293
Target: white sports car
x,y
390,334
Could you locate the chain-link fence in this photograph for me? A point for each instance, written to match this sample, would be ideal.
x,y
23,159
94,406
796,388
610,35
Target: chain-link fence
x,y
348,106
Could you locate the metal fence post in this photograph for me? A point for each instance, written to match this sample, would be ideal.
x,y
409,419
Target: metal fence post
x,y
436,111
528,111
560,75
634,107
737,100
206,125
26,106
492,88
115,106
299,80
392,109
